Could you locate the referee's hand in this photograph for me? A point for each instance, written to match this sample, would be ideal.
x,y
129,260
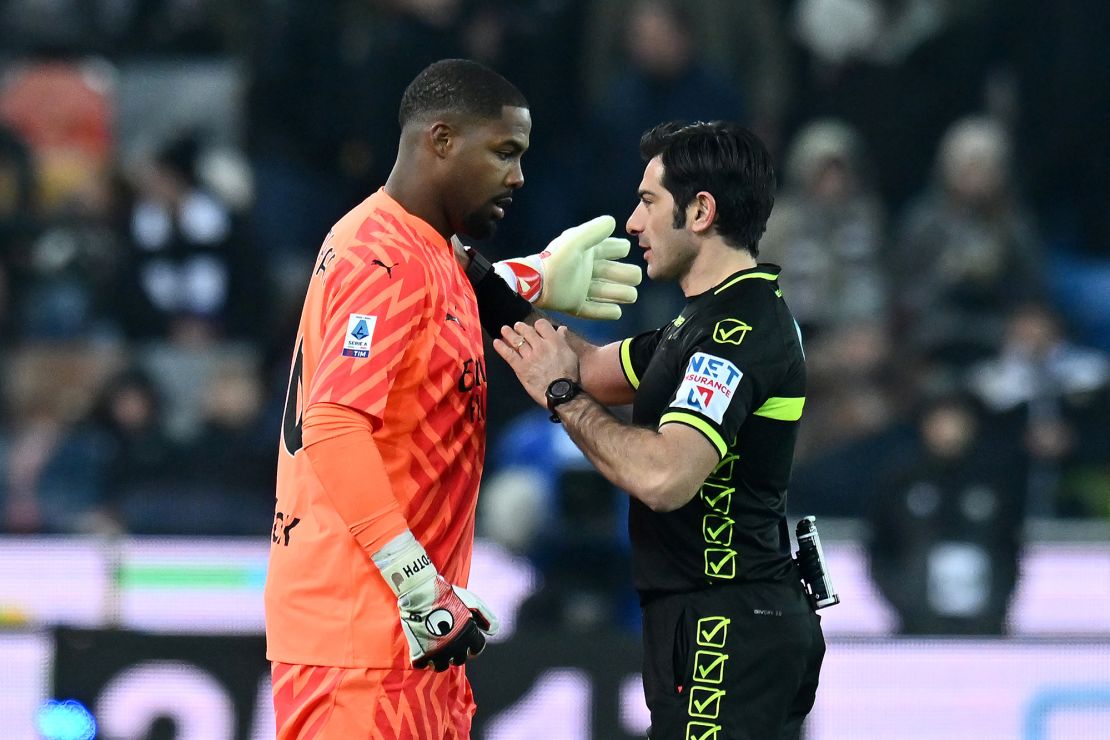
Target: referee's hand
x,y
538,355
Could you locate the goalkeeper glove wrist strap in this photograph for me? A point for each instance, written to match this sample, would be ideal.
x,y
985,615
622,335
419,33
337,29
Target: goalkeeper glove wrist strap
x,y
404,564
498,304
523,274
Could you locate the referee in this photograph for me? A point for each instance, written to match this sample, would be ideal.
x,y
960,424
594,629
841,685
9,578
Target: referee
x,y
732,648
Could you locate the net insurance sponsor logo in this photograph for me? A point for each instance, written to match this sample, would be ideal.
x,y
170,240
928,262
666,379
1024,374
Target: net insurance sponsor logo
x,y
708,386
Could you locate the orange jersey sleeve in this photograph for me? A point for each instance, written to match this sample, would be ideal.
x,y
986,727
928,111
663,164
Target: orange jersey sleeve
x,y
352,476
384,428
378,303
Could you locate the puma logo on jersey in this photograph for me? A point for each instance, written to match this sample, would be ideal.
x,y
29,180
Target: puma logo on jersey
x,y
325,260
388,268
453,317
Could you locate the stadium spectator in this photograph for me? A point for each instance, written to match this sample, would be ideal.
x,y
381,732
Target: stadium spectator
x,y
56,478
57,462
946,523
17,181
69,268
743,41
143,462
541,42
966,252
1058,394
227,467
5,294
123,29
855,60
63,110
1062,99
827,232
665,76
192,275
217,482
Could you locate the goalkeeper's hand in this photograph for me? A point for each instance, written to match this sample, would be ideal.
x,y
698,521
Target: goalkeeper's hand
x,y
577,273
444,624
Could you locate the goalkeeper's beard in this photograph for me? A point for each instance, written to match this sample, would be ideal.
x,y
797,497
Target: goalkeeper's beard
x,y
480,224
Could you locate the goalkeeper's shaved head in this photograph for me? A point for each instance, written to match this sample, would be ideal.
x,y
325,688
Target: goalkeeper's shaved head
x,y
458,87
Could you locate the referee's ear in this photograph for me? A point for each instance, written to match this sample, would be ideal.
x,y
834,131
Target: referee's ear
x,y
702,212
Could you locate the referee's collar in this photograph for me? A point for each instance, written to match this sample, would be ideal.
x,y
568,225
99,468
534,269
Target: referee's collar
x,y
762,271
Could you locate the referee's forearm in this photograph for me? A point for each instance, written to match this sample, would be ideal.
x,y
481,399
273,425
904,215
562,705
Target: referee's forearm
x,y
632,458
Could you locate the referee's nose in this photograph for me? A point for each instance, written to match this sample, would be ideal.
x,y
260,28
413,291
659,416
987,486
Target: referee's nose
x,y
635,224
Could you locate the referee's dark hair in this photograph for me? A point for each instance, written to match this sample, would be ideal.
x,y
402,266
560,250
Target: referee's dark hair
x,y
461,87
721,158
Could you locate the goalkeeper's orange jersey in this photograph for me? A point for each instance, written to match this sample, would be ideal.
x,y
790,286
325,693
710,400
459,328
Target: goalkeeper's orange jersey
x,y
390,330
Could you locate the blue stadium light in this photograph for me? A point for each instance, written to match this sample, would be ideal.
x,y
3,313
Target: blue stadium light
x,y
65,720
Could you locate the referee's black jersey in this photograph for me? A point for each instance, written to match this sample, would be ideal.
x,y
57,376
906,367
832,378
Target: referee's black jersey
x,y
731,366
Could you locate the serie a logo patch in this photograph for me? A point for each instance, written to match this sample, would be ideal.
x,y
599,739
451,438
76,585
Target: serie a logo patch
x,y
360,333
708,386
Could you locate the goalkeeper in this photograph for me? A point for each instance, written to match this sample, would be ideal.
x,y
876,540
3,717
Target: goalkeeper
x,y
368,618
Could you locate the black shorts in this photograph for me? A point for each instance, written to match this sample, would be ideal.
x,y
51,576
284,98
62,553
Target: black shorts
x,y
735,662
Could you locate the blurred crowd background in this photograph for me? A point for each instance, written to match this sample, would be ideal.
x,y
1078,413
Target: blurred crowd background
x,y
168,169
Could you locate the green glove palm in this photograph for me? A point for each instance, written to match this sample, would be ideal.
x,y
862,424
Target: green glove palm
x,y
577,273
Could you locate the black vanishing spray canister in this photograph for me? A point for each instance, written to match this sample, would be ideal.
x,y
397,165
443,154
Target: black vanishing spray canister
x,y
811,563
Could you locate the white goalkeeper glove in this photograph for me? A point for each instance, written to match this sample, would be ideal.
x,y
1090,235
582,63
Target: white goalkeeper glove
x,y
444,624
577,273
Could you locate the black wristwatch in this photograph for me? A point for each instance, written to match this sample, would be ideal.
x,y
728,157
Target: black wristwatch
x,y
560,391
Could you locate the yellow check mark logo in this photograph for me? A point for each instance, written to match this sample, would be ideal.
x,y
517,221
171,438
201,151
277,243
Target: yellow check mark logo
x,y
723,471
709,666
712,631
720,563
717,530
705,703
718,498
730,331
701,731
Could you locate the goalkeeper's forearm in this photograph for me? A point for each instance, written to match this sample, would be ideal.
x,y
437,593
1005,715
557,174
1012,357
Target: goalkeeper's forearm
x,y
443,624
339,441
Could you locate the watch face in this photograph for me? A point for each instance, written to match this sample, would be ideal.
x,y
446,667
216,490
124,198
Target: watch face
x,y
560,387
